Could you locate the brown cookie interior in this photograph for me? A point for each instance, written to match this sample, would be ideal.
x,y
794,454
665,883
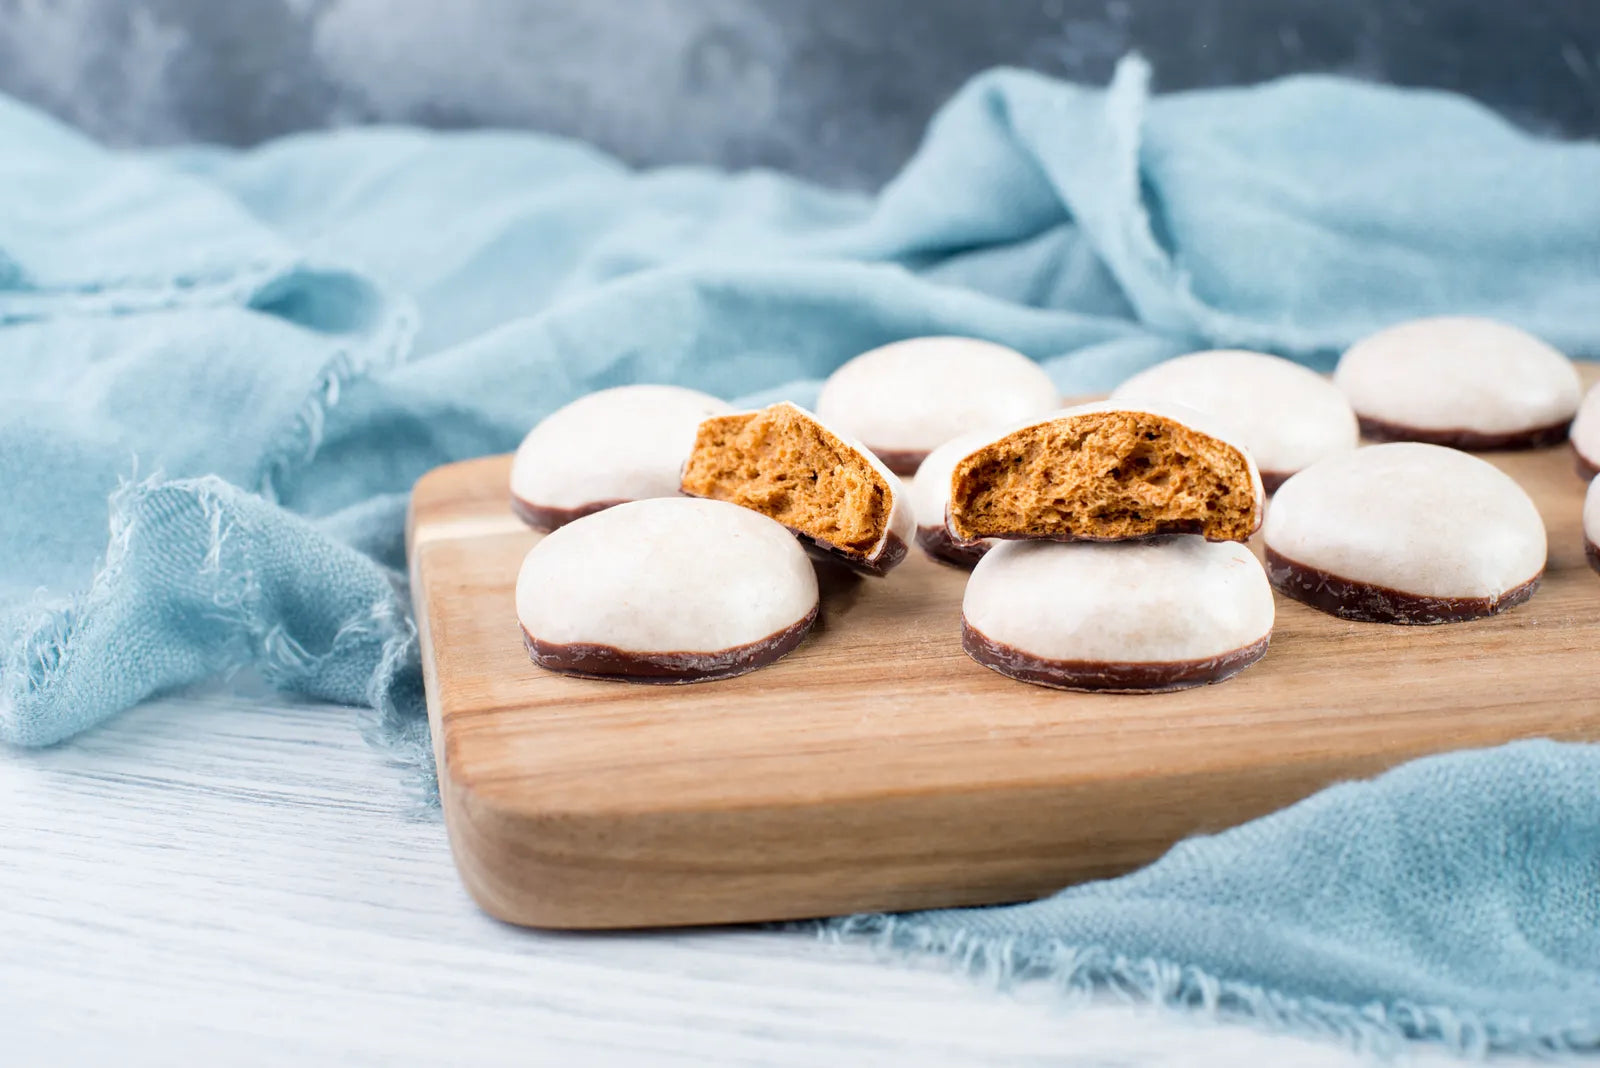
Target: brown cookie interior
x,y
785,465
1104,476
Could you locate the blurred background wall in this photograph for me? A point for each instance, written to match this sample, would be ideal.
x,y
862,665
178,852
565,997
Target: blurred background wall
x,y
836,89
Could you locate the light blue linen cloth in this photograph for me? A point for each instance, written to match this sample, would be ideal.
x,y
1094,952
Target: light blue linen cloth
x,y
220,373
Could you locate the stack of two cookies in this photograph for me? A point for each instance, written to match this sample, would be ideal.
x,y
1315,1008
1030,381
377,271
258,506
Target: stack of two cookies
x,y
1111,543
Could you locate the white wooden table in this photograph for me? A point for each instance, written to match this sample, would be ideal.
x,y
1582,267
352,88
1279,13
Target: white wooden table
x,y
231,879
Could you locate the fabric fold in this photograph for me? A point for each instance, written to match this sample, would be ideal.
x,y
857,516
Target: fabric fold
x,y
196,581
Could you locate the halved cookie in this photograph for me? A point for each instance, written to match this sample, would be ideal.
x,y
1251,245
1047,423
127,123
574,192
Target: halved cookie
x,y
833,493
1108,471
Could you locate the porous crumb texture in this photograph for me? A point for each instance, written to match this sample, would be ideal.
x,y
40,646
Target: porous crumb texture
x,y
1104,476
783,465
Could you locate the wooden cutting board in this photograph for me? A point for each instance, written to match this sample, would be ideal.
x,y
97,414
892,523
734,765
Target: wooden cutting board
x,y
877,768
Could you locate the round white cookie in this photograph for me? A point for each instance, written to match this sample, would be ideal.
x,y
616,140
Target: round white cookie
x,y
1405,533
929,493
616,445
1288,416
1465,382
1591,524
905,399
1586,433
672,589
1139,616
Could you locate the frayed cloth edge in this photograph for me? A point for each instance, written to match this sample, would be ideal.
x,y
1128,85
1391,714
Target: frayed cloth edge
x,y
385,728
42,642
406,739
40,646
1080,971
298,443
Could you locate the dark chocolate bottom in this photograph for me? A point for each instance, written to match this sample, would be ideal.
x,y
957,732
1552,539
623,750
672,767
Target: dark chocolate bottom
x,y
901,461
938,543
1587,469
545,519
1592,551
1368,603
1470,440
608,662
1165,529
1105,676
1272,480
888,557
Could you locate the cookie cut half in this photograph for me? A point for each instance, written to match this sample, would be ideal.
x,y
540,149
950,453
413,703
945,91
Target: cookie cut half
x,y
1108,472
783,462
930,498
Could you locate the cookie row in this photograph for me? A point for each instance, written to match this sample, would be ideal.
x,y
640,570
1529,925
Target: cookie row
x,y
1390,533
632,590
1452,381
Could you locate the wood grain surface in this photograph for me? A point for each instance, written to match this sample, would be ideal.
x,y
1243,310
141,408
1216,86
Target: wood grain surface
x,y
232,878
878,767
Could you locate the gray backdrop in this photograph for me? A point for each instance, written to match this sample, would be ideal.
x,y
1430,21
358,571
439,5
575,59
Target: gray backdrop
x,y
837,89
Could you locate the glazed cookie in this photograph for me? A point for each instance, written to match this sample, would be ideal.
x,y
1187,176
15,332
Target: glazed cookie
x,y
622,444
1586,434
904,400
665,590
1405,533
1288,416
1459,381
930,496
1591,524
1108,472
783,462
1143,616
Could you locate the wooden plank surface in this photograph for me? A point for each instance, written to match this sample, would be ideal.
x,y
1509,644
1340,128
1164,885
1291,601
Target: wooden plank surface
x,y
878,767
234,878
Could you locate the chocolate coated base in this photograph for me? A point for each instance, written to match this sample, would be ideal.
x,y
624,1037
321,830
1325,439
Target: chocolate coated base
x,y
1367,603
1592,551
901,461
938,543
1538,437
1165,529
1106,676
888,557
1587,469
545,519
1271,480
608,662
